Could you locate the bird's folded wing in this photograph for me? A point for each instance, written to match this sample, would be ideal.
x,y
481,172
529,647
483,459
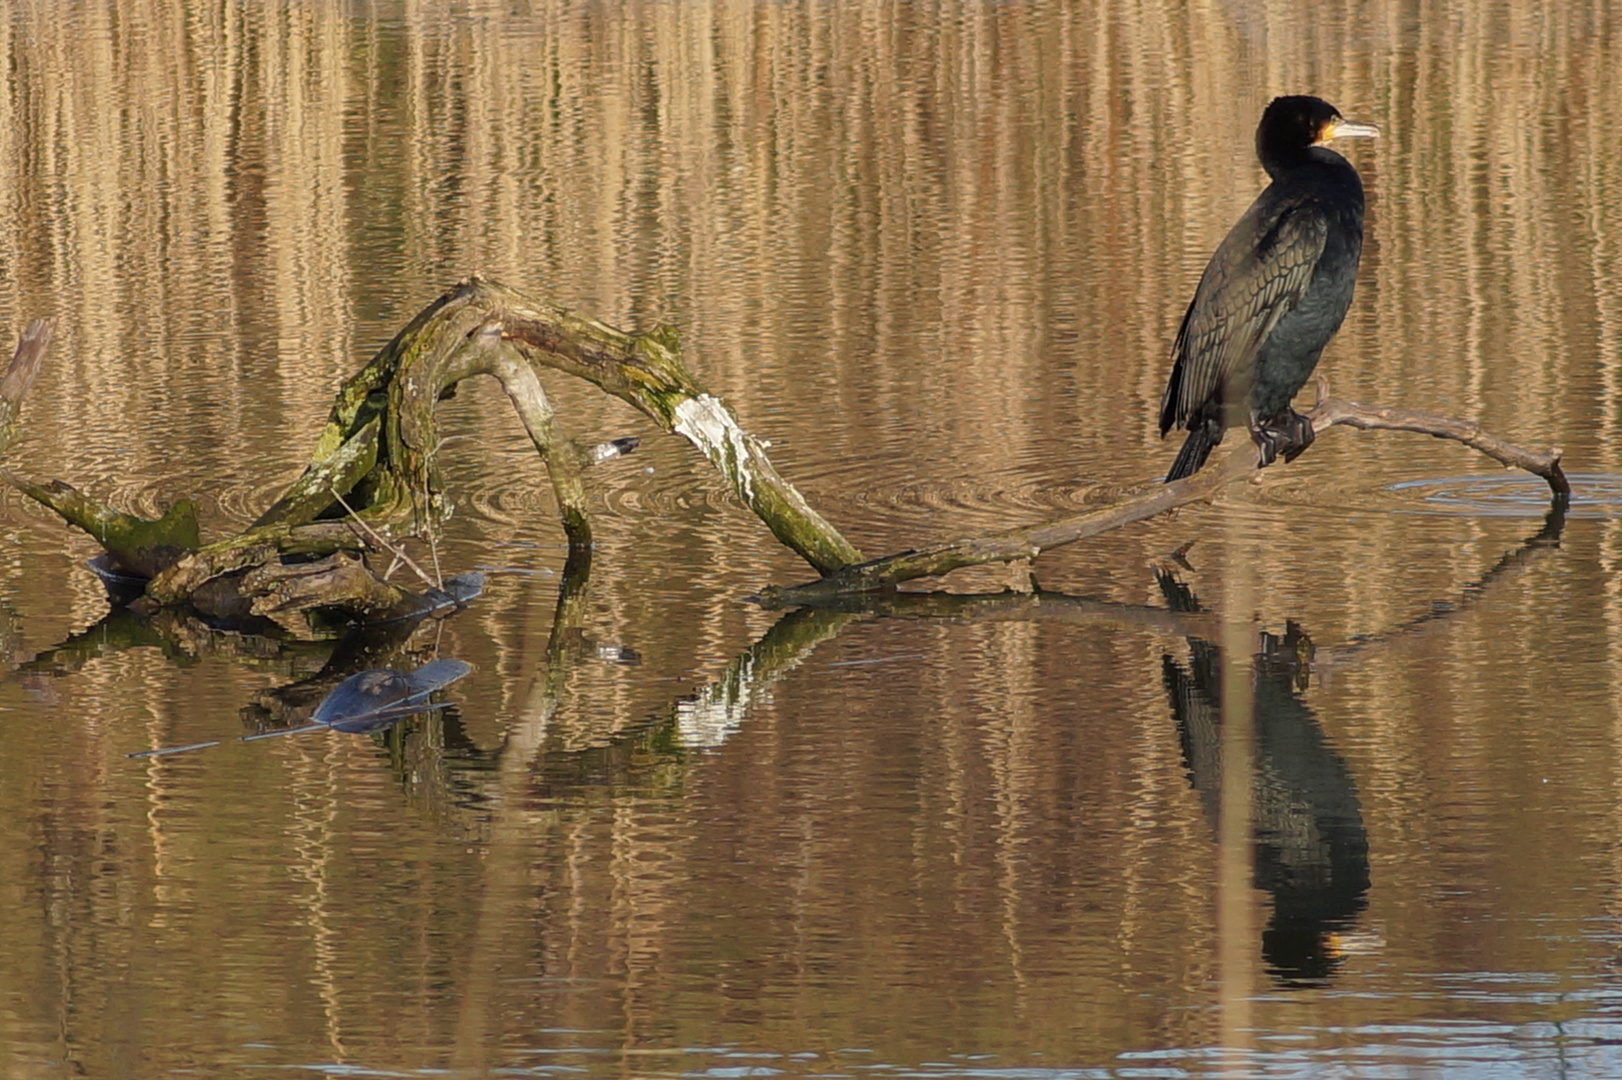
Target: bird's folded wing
x,y
1256,276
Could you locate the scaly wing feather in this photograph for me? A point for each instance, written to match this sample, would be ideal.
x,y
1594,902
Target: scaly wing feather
x,y
1258,273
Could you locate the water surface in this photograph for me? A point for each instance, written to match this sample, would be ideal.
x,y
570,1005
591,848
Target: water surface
x,y
935,254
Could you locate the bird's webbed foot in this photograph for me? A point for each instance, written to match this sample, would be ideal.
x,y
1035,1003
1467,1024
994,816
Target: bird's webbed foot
x,y
1285,435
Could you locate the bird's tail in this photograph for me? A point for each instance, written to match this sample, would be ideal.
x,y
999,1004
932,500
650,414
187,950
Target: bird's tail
x,y
1202,439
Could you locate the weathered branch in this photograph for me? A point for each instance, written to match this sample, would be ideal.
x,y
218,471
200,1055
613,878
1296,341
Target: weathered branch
x,y
375,461
280,588
286,592
563,465
1330,411
376,457
646,372
483,327
21,373
253,548
312,494
1239,464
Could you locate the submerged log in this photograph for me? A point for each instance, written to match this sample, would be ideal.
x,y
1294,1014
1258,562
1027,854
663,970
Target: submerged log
x,y
376,456
140,547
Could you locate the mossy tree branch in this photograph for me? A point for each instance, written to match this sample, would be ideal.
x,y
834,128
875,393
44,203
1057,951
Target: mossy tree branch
x,y
646,372
484,327
376,457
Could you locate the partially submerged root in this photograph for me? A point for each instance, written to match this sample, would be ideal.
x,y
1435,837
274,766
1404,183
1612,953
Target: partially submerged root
x,y
373,476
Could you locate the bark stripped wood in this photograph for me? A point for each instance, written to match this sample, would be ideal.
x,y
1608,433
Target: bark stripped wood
x,y
21,373
646,372
1330,411
1024,543
1239,464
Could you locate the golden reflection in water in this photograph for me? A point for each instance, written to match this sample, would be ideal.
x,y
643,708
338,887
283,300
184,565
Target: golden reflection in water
x,y
1237,924
912,244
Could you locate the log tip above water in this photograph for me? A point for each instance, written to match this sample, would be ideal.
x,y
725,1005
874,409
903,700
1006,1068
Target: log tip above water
x,y
26,361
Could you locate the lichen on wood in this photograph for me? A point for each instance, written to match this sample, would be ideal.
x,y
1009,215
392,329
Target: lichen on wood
x,y
140,547
373,477
646,372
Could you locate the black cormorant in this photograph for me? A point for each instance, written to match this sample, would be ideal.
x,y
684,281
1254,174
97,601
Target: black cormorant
x,y
1274,293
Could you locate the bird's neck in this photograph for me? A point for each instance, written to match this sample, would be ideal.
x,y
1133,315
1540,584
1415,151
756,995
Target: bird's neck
x,y
1281,165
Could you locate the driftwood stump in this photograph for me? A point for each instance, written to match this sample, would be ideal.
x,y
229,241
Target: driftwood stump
x,y
373,478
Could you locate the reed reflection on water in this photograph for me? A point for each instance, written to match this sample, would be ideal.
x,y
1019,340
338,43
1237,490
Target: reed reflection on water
x,y
937,257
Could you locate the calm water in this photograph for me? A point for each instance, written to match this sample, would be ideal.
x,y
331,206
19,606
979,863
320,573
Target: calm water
x,y
936,254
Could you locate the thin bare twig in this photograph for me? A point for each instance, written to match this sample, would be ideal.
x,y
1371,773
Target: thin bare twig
x,y
385,543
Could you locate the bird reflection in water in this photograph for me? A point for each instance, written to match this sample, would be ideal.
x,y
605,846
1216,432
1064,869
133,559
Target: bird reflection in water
x,y
1311,849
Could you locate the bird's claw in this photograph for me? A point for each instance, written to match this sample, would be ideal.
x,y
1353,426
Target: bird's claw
x,y
1285,435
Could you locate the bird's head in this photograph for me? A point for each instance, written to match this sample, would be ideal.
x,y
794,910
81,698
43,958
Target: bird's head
x,y
1292,124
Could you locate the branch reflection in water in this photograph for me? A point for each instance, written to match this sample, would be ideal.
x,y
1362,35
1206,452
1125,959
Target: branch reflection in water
x,y
352,691
1311,853
1310,846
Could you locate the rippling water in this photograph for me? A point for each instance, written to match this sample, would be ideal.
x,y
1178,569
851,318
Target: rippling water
x,y
936,255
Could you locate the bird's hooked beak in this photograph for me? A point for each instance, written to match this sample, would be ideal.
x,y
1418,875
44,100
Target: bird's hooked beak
x,y
1342,128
